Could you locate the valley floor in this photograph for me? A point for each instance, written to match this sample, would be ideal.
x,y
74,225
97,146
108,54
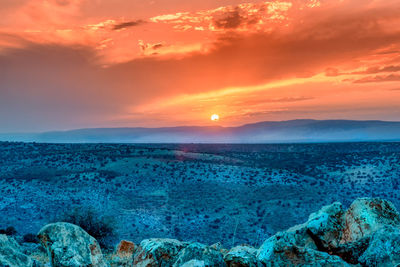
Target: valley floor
x,y
232,194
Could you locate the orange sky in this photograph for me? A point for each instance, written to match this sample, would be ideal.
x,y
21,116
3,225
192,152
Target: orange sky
x,y
109,63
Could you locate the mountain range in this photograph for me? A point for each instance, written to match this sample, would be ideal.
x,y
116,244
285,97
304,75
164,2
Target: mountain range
x,y
291,131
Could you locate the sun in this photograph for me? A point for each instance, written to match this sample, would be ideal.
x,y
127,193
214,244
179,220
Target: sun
x,y
215,117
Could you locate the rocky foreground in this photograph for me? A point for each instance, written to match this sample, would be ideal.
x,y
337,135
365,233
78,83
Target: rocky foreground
x,y
366,234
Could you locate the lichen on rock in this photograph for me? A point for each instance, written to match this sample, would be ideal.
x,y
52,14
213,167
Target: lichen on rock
x,y
197,251
69,245
11,253
158,252
242,256
367,215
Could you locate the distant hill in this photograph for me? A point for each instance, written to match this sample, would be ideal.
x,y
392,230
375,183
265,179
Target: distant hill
x,y
297,131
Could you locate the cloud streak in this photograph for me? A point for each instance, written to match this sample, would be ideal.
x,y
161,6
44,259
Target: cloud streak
x,y
379,78
127,24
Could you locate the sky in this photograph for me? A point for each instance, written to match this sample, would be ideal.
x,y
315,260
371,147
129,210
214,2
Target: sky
x,y
67,64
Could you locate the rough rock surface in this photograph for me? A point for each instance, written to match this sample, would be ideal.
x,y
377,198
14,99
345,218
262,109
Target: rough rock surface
x,y
194,263
158,252
326,225
367,234
196,251
322,230
383,249
281,250
352,251
367,215
10,253
300,256
69,245
242,256
124,254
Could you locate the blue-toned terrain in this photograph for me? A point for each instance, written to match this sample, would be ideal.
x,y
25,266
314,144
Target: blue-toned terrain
x,y
232,194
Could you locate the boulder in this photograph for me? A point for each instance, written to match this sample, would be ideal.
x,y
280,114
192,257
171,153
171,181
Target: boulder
x,y
69,245
242,256
11,254
351,251
196,251
125,249
275,252
157,252
383,249
36,252
124,254
326,226
367,215
194,263
322,231
281,240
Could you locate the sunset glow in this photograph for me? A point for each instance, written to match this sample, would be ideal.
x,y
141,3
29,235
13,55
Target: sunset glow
x,y
77,63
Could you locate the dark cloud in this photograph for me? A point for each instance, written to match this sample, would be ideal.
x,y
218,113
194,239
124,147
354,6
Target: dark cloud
x,y
150,48
128,24
233,19
229,20
157,46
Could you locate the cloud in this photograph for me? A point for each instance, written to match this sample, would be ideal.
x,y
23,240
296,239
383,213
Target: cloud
x,y
242,17
150,48
73,87
379,69
124,25
332,72
379,78
231,20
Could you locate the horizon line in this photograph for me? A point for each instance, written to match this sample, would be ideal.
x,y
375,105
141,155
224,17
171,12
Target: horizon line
x,y
194,126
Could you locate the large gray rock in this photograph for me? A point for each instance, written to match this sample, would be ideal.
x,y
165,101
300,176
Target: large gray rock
x,y
200,252
367,215
242,256
326,226
11,255
158,252
383,249
69,245
322,231
351,251
281,251
194,263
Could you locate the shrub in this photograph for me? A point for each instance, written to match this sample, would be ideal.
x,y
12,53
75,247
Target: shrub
x,y
101,227
30,238
8,231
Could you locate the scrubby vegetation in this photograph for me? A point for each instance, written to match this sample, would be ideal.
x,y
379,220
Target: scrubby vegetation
x,y
232,194
8,231
101,227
